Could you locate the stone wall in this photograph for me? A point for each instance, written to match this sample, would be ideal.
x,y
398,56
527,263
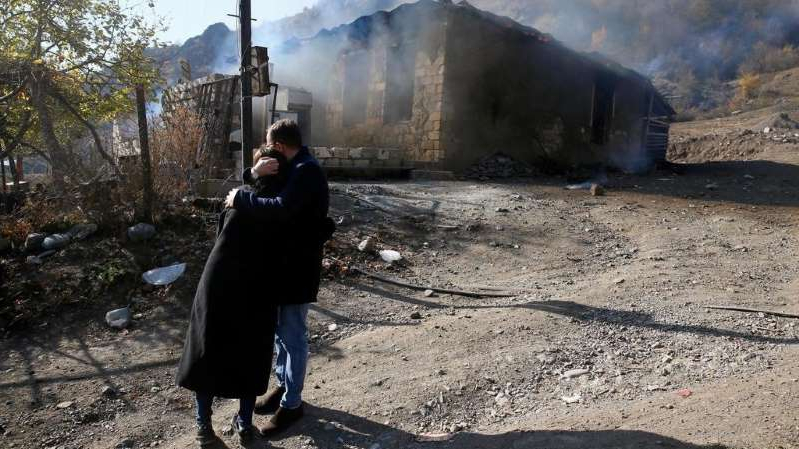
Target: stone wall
x,y
419,136
361,158
526,96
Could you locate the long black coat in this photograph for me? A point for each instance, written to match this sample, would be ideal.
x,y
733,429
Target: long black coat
x,y
229,344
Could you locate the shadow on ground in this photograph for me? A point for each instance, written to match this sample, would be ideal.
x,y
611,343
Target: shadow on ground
x,y
585,313
334,428
754,183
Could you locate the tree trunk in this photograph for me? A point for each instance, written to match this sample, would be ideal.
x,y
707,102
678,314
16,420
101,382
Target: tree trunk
x,y
12,167
144,145
98,144
3,170
61,163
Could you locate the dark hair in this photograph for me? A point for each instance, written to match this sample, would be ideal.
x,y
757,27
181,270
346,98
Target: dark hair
x,y
261,152
286,132
270,186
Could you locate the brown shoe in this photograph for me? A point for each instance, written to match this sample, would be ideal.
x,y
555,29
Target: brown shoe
x,y
269,403
282,419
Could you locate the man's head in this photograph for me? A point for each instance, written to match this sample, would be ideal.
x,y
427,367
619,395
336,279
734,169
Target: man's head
x,y
284,136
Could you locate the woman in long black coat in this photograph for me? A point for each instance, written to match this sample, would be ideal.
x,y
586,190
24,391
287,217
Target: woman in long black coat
x,y
229,344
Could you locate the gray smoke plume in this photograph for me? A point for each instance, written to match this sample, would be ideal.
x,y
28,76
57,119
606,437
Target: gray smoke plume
x,y
711,37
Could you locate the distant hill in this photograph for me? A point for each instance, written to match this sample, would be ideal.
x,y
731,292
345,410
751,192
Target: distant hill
x,y
215,50
200,51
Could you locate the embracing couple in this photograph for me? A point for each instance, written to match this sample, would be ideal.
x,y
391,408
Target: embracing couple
x,y
255,290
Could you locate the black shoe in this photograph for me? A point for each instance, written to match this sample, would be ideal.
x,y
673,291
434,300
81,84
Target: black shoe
x,y
247,435
269,403
205,435
282,419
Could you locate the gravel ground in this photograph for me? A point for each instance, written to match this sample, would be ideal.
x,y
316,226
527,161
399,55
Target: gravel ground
x,y
604,341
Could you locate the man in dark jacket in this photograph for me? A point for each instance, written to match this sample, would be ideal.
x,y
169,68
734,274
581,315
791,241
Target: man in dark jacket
x,y
302,207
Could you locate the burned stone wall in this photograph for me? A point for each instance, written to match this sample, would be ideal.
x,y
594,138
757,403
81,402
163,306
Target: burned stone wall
x,y
399,102
517,92
625,148
520,95
449,84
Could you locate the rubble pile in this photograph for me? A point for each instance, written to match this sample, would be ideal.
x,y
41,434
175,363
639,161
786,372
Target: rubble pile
x,y
498,165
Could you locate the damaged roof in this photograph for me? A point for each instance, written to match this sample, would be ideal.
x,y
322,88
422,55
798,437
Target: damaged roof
x,y
362,29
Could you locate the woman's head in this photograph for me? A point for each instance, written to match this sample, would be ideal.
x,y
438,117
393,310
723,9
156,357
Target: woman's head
x,y
271,185
267,152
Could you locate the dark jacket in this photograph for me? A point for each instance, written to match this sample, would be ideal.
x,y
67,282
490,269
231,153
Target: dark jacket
x,y
301,210
229,344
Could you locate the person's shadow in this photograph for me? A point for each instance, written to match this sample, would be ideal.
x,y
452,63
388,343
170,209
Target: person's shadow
x,y
326,427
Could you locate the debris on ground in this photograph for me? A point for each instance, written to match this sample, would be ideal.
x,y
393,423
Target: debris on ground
x,y
118,318
390,256
685,393
164,275
366,245
498,166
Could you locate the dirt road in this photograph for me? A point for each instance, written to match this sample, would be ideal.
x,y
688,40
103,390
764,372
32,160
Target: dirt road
x,y
606,342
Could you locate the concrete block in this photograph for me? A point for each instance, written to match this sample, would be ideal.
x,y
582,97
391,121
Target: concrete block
x,y
341,153
356,153
369,153
322,152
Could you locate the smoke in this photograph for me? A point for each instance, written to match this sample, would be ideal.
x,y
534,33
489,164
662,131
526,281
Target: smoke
x,y
284,35
710,37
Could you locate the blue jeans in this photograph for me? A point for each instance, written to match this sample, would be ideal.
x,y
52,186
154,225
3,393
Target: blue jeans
x,y
291,350
205,404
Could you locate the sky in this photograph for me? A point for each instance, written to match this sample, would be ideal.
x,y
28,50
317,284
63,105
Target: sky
x,y
188,18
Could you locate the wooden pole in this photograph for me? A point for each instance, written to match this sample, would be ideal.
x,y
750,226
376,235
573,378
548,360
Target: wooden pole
x,y
246,82
20,169
3,167
144,145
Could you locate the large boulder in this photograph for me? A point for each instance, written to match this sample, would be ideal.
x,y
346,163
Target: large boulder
x,y
141,232
56,241
34,242
82,231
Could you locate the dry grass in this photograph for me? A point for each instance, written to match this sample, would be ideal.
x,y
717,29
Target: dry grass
x,y
748,84
174,138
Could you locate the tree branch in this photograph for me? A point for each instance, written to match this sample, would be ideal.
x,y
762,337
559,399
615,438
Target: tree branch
x,y
16,90
23,128
98,144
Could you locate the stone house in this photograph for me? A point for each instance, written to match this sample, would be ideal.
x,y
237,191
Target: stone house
x,y
437,85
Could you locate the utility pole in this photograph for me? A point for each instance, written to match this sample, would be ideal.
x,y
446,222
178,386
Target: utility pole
x,y
144,146
246,82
